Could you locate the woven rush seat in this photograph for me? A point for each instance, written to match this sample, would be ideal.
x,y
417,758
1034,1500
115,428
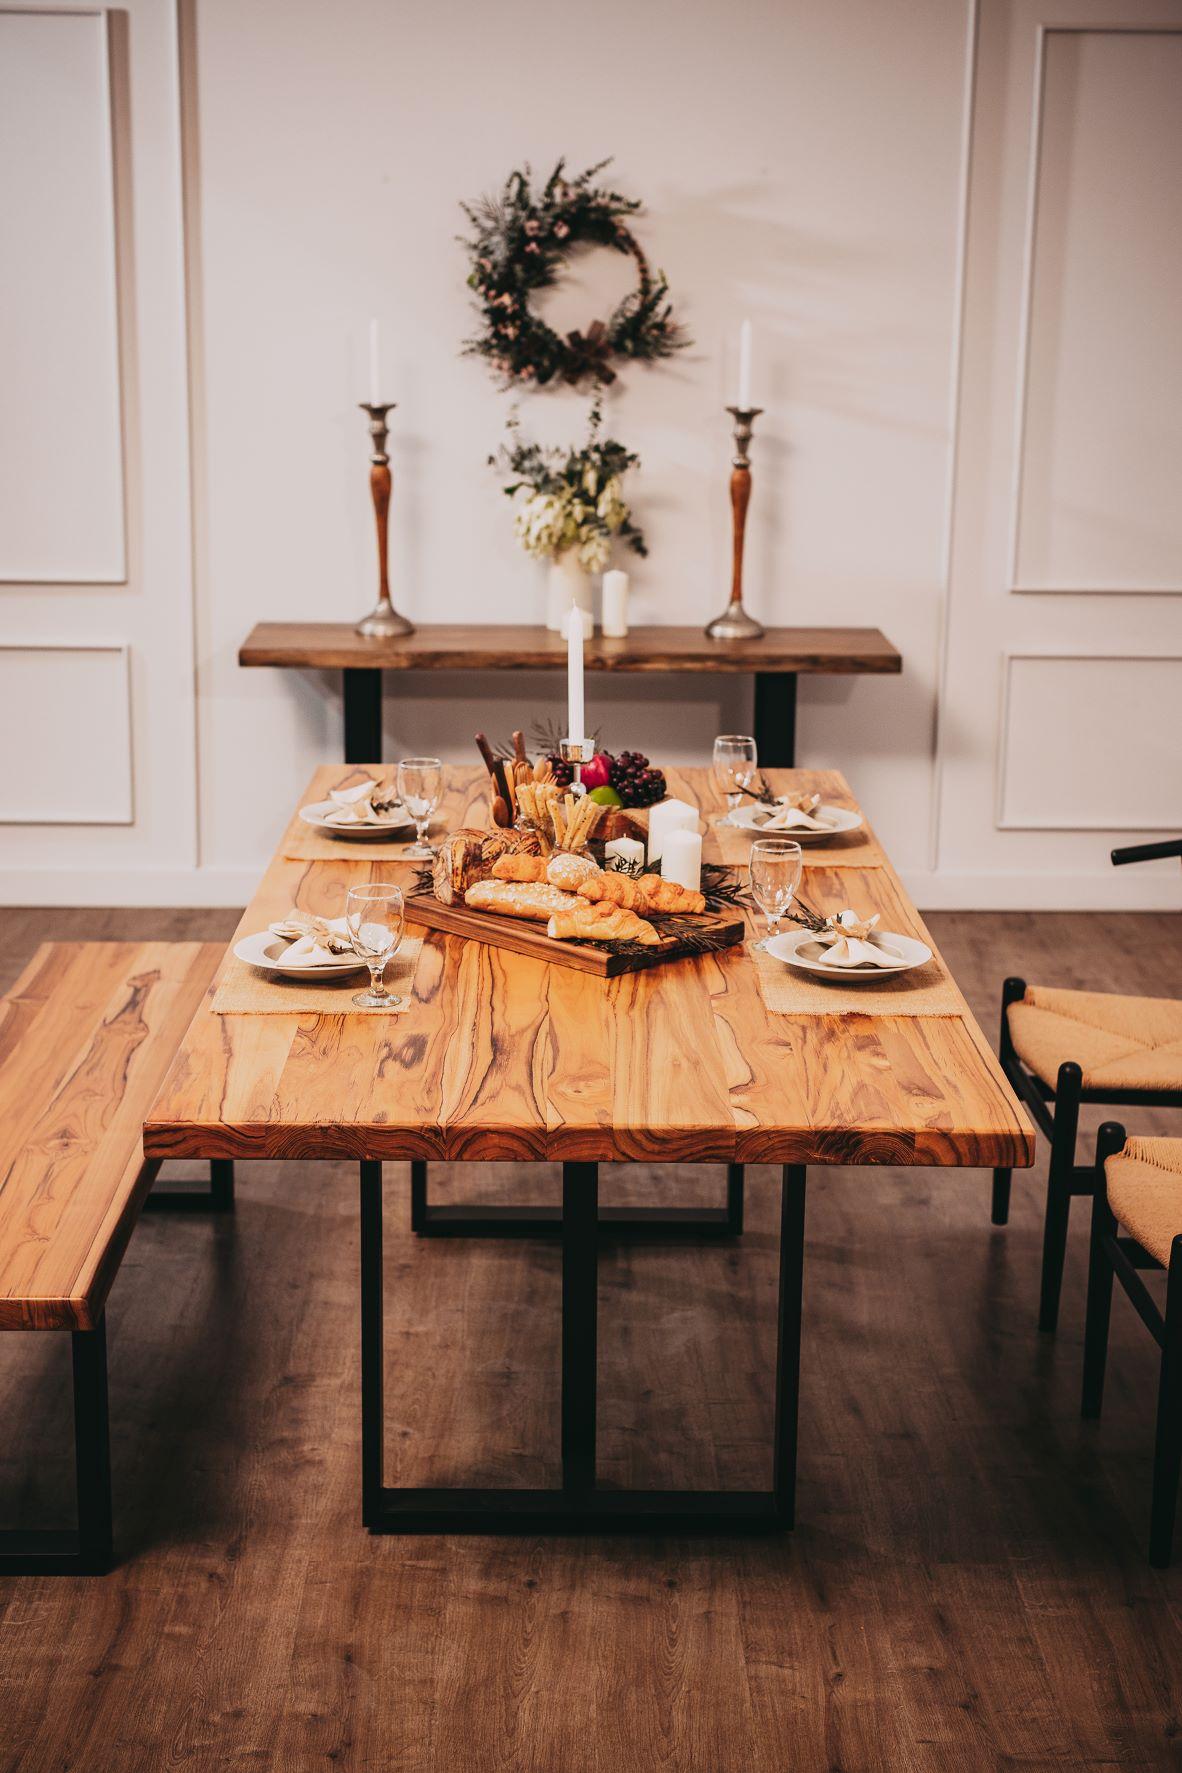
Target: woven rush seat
x,y
1145,1192
1119,1043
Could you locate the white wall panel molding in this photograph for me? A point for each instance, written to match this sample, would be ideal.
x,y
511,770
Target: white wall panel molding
x,y
64,766
1119,527
1089,742
62,447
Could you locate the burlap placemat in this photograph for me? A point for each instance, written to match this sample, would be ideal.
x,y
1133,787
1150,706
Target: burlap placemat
x,y
245,991
303,843
789,991
853,849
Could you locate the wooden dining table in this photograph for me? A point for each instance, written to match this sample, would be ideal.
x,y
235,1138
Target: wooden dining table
x,y
501,1056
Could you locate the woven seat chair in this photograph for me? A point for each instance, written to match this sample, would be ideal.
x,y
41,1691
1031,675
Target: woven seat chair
x,y
1138,1185
1062,1048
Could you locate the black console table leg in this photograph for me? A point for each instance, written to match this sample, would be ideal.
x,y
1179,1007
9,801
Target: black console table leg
x,y
363,716
775,718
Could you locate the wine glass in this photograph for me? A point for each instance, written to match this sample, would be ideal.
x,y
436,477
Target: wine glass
x,y
734,762
776,865
420,785
375,916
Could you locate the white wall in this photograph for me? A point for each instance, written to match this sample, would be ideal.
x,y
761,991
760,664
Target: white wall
x,y
803,164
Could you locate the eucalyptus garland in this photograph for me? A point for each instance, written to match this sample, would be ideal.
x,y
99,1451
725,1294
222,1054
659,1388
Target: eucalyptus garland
x,y
519,244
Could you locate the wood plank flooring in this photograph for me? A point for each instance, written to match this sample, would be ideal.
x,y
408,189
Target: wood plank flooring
x,y
967,1588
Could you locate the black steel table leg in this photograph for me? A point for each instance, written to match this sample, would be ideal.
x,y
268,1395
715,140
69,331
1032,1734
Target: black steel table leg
x,y
88,1550
634,1224
775,718
580,1275
217,1198
579,1506
363,716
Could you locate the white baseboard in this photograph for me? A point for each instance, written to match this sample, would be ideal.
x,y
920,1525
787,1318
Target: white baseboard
x,y
214,888
1154,886
1147,886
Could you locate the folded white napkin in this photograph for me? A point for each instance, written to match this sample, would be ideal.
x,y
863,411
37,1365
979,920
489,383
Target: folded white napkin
x,y
366,803
795,812
850,941
315,941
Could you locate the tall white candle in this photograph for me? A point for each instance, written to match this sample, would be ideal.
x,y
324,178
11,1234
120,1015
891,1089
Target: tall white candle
x,y
744,399
575,718
682,859
667,816
615,604
375,379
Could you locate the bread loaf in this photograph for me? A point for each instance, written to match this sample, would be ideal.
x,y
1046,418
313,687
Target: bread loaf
x,y
468,856
517,866
568,872
510,898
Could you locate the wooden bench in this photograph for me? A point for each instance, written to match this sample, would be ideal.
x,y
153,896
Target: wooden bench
x,y
86,1036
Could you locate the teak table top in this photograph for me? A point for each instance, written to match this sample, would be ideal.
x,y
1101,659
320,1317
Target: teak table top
x,y
504,1057
512,647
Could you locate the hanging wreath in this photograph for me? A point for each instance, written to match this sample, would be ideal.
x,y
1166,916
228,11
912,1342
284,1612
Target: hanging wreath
x,y
520,245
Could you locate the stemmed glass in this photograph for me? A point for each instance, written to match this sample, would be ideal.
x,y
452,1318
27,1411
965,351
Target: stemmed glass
x,y
376,916
420,785
735,758
776,865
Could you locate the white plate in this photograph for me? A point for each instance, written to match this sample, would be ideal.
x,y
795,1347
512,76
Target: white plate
x,y
266,951
800,948
842,820
315,815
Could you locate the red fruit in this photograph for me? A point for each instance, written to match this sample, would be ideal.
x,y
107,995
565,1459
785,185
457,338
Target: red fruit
x,y
597,773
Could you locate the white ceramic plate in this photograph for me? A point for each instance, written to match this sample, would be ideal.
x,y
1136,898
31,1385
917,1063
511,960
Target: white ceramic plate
x,y
316,815
266,951
841,819
800,948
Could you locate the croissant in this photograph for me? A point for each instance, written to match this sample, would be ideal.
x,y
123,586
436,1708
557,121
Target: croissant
x,y
601,922
613,889
519,867
669,895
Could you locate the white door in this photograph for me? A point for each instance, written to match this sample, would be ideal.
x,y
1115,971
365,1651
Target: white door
x,y
1061,711
98,784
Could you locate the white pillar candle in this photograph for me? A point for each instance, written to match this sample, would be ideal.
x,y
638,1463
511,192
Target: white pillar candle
x,y
375,376
744,399
575,716
682,859
624,854
667,816
615,605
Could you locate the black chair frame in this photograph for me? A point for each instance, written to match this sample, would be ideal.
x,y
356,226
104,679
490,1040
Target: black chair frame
x,y
1111,1254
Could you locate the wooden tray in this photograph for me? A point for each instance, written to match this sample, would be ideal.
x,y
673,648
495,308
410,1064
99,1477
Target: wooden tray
x,y
524,936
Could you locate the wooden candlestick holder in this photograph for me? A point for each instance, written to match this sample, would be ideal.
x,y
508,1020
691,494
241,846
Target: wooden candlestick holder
x,y
734,623
383,621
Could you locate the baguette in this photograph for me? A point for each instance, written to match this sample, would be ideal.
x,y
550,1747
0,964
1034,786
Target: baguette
x,y
511,898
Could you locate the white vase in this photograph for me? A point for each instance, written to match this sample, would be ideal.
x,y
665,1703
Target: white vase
x,y
566,583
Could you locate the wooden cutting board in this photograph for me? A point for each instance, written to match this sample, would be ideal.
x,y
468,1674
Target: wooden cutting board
x,y
523,936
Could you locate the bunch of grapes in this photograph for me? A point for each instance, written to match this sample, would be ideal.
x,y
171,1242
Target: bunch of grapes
x,y
564,773
633,780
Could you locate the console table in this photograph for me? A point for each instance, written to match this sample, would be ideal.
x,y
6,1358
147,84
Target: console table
x,y
775,661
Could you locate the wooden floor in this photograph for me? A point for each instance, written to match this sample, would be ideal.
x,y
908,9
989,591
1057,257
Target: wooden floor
x,y
967,1587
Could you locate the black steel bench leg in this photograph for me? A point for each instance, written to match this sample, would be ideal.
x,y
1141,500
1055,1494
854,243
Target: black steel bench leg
x,y
88,1550
620,1223
788,1340
217,1198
